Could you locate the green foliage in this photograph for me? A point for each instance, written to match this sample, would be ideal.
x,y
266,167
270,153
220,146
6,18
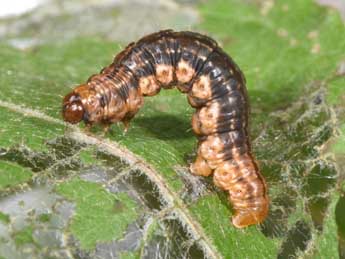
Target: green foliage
x,y
26,134
5,218
24,236
11,174
336,92
31,78
327,244
87,156
281,51
212,213
100,216
129,255
289,54
45,217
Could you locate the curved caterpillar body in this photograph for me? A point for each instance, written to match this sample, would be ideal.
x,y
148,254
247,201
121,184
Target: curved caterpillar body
x,y
214,85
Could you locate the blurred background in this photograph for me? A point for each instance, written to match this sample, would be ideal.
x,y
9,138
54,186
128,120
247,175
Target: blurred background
x,y
118,20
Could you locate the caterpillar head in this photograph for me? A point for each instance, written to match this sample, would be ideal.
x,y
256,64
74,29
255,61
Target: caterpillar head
x,y
73,110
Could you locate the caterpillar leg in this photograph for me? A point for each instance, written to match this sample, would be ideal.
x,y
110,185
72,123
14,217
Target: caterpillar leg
x,y
200,167
126,121
126,124
88,127
106,128
250,216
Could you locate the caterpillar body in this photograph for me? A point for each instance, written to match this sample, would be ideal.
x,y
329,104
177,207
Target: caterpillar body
x,y
215,87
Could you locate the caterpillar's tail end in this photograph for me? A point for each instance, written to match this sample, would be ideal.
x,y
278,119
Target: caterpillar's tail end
x,y
245,218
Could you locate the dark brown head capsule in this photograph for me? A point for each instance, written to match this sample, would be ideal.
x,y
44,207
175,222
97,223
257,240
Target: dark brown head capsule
x,y
73,110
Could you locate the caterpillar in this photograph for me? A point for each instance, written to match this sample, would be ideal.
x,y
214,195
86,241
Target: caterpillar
x,y
215,87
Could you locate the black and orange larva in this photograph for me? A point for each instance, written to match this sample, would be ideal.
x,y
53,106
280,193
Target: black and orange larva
x,y
214,85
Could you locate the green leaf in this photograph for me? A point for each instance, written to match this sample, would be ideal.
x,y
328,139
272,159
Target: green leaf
x,y
131,195
100,216
11,174
5,218
24,236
